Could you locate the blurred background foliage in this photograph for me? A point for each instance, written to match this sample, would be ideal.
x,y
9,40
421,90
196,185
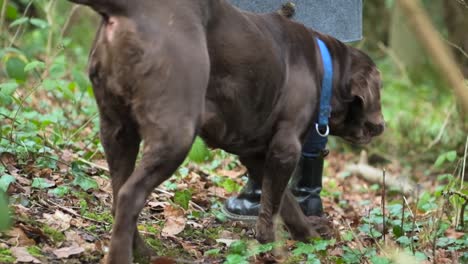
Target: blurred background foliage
x,y
420,110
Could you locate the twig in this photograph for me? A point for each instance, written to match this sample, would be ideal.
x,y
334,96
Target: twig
x,y
70,211
383,208
442,129
457,47
2,13
70,16
78,130
400,65
50,19
414,222
403,214
432,41
464,164
26,10
361,244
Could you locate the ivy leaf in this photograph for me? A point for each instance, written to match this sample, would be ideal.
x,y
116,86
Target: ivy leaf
x,y
238,247
19,21
41,183
60,191
5,220
85,182
34,65
40,23
5,182
8,88
199,152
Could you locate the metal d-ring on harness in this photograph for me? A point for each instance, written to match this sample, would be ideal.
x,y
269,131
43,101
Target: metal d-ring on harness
x,y
322,126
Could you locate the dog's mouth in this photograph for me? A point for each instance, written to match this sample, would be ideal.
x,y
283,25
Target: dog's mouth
x,y
365,134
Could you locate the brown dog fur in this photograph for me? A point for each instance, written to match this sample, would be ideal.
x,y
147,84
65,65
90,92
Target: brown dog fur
x,y
165,71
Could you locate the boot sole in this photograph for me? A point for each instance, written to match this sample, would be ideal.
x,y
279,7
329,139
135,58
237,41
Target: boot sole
x,y
236,217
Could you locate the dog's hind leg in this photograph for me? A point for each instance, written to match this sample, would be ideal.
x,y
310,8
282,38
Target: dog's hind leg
x,y
281,159
121,141
167,107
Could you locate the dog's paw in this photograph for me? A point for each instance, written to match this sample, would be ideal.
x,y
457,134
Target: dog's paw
x,y
265,233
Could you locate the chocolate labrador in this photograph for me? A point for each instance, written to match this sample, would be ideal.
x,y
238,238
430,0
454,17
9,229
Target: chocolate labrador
x,y
166,71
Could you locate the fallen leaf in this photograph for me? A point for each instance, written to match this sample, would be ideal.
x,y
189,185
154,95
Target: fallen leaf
x,y
19,238
227,242
233,174
58,220
66,252
22,255
452,233
175,221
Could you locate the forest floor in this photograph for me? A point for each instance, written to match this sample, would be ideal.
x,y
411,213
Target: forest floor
x,y
61,216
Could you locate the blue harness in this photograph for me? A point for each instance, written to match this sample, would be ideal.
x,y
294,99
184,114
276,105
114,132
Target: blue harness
x,y
317,139
327,90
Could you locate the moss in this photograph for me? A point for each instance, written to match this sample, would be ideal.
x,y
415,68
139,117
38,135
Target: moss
x,y
6,256
102,216
54,234
35,251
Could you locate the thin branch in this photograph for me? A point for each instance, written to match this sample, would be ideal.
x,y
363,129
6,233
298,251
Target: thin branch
x,y
438,50
3,13
442,129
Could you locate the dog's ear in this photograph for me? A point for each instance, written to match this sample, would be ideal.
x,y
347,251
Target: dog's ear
x,y
365,84
288,10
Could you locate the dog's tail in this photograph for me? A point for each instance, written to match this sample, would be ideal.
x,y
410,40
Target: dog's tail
x,y
288,10
104,7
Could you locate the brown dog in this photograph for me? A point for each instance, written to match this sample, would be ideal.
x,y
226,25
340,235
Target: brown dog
x,y
165,71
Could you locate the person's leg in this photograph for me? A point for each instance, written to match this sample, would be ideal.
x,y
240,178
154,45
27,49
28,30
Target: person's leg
x,y
246,205
306,183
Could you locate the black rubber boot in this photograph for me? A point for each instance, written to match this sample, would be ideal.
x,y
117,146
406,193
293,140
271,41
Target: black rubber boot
x,y
306,185
246,206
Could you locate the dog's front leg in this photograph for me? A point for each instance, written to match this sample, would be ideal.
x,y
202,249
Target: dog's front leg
x,y
282,157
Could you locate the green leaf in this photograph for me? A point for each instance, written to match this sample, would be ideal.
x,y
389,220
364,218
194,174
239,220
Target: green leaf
x,y
199,152
5,182
212,252
41,183
404,241
34,65
5,218
238,247
380,260
420,256
220,216
230,185
303,249
263,248
57,70
80,80
19,21
236,259
451,156
40,23
183,198
60,191
8,88
85,182
397,231
15,68
312,259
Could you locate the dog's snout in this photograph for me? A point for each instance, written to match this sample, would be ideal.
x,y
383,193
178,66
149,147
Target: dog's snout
x,y
375,129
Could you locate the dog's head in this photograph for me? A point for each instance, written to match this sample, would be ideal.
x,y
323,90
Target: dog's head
x,y
357,112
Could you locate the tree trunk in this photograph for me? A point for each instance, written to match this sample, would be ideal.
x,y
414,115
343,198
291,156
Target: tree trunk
x,y
456,19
